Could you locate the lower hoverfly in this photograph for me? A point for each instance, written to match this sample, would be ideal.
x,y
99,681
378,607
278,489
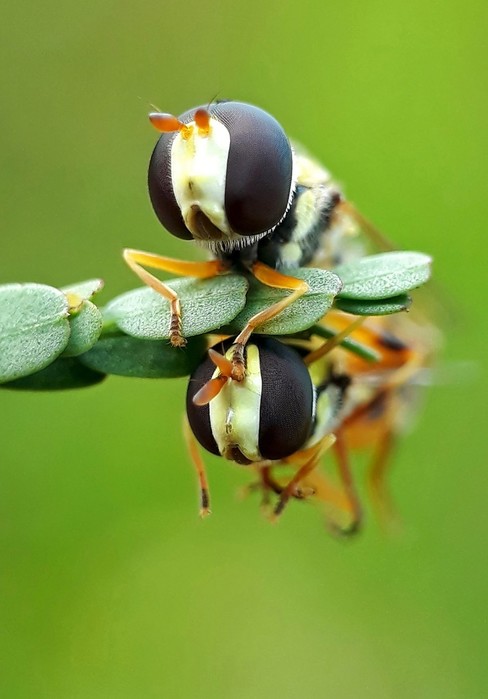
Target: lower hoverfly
x,y
227,177
297,402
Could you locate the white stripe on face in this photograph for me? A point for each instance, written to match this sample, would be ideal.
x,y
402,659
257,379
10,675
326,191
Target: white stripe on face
x,y
198,174
235,411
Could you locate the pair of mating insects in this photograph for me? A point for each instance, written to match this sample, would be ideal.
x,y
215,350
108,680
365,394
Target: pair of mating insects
x,y
227,177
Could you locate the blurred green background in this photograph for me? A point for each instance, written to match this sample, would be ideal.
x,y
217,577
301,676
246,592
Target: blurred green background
x,y
111,586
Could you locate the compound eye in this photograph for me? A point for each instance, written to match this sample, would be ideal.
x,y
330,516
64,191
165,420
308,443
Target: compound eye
x,y
287,400
199,416
259,178
160,182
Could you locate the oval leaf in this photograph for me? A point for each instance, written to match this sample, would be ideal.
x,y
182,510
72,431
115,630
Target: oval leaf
x,y
301,314
86,326
206,304
81,291
384,276
34,328
64,373
379,307
151,359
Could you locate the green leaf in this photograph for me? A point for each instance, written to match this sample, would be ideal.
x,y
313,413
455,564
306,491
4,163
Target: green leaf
x,y
383,276
64,373
312,306
206,304
86,326
378,307
151,359
82,291
34,328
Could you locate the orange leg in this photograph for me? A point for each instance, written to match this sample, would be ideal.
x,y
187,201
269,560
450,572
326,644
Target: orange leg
x,y
199,467
376,479
310,464
137,260
333,342
270,277
268,484
265,484
349,489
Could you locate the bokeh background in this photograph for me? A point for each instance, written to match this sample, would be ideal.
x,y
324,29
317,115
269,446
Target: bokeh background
x,y
111,586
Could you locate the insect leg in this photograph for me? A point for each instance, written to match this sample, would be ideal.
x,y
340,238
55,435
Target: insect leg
x,y
268,484
380,464
137,260
309,465
270,277
376,479
199,467
333,342
349,489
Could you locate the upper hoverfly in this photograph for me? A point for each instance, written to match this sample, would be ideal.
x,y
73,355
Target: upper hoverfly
x,y
227,177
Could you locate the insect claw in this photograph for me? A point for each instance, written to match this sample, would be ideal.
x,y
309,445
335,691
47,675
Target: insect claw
x,y
304,492
177,340
340,532
273,517
279,507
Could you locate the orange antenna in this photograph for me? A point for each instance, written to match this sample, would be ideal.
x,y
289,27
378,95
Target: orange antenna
x,y
209,390
221,362
202,120
213,387
167,123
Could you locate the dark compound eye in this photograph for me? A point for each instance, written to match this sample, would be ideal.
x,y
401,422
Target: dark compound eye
x,y
258,176
287,401
286,407
199,416
259,169
161,187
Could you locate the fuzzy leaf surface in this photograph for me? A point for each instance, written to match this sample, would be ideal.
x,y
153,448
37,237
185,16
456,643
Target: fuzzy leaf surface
x,y
312,306
34,328
82,291
86,326
384,276
206,304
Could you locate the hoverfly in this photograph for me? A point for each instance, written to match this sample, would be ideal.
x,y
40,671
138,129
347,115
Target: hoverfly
x,y
227,177
296,403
